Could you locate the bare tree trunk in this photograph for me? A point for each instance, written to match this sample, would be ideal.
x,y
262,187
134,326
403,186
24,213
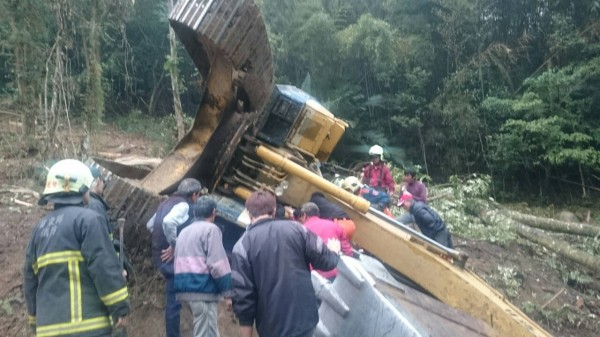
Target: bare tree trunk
x,y
560,247
156,90
564,249
25,98
61,93
94,93
582,182
174,72
554,225
53,113
423,150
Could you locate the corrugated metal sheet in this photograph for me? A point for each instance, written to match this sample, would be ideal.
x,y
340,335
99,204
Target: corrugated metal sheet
x,y
352,307
365,300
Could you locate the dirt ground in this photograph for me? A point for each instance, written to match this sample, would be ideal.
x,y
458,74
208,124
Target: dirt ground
x,y
534,281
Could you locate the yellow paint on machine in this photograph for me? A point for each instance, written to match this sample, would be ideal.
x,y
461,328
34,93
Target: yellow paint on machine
x,y
330,142
310,131
454,286
274,158
190,147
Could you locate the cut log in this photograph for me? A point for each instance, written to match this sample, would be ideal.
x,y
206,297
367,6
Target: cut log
x,y
439,196
109,155
22,203
554,225
563,248
560,247
20,190
135,160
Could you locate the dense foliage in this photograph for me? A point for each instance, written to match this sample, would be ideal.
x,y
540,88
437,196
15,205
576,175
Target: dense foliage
x,y
507,88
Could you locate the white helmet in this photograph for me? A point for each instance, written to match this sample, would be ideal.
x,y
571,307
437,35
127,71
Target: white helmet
x,y
68,179
351,184
375,150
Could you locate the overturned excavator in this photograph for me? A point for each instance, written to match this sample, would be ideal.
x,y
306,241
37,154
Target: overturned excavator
x,y
250,134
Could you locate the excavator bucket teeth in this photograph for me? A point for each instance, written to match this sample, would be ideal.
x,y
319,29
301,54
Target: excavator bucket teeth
x,y
228,42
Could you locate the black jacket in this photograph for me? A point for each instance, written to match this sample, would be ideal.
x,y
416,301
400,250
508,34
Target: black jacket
x,y
327,209
159,240
72,277
271,279
427,219
98,204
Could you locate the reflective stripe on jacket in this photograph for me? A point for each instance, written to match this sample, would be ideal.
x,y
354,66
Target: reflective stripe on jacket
x,y
73,283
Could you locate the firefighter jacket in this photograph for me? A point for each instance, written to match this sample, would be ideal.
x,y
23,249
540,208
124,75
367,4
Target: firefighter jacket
x,y
72,277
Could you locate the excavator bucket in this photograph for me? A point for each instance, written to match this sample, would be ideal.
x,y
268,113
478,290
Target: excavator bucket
x,y
228,43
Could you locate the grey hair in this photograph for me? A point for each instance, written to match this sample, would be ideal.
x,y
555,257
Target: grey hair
x,y
188,186
204,207
310,209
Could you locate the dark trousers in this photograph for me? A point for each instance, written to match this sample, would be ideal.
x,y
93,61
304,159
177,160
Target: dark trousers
x,y
444,238
172,307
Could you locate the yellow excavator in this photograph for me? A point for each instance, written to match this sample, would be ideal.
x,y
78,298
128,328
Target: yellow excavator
x,y
251,134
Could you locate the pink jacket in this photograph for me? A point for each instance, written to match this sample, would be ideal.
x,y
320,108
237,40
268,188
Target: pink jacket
x,y
326,229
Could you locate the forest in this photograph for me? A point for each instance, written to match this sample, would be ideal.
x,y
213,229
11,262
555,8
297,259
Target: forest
x,y
510,88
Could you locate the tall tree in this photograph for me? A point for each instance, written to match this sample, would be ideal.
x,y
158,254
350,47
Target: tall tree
x,y
172,65
25,42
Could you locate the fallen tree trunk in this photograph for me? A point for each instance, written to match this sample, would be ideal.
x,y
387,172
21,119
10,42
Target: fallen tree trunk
x,y
553,224
563,248
560,247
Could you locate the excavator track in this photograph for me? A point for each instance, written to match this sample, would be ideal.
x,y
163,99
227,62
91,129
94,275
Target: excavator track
x,y
228,43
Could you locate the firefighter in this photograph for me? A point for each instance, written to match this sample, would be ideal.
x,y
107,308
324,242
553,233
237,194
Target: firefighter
x,y
73,284
97,203
376,174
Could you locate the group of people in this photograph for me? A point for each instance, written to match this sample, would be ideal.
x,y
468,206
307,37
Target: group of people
x,y
378,187
75,283
270,264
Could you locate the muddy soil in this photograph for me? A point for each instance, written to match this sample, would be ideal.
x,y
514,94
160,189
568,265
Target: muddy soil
x,y
575,311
